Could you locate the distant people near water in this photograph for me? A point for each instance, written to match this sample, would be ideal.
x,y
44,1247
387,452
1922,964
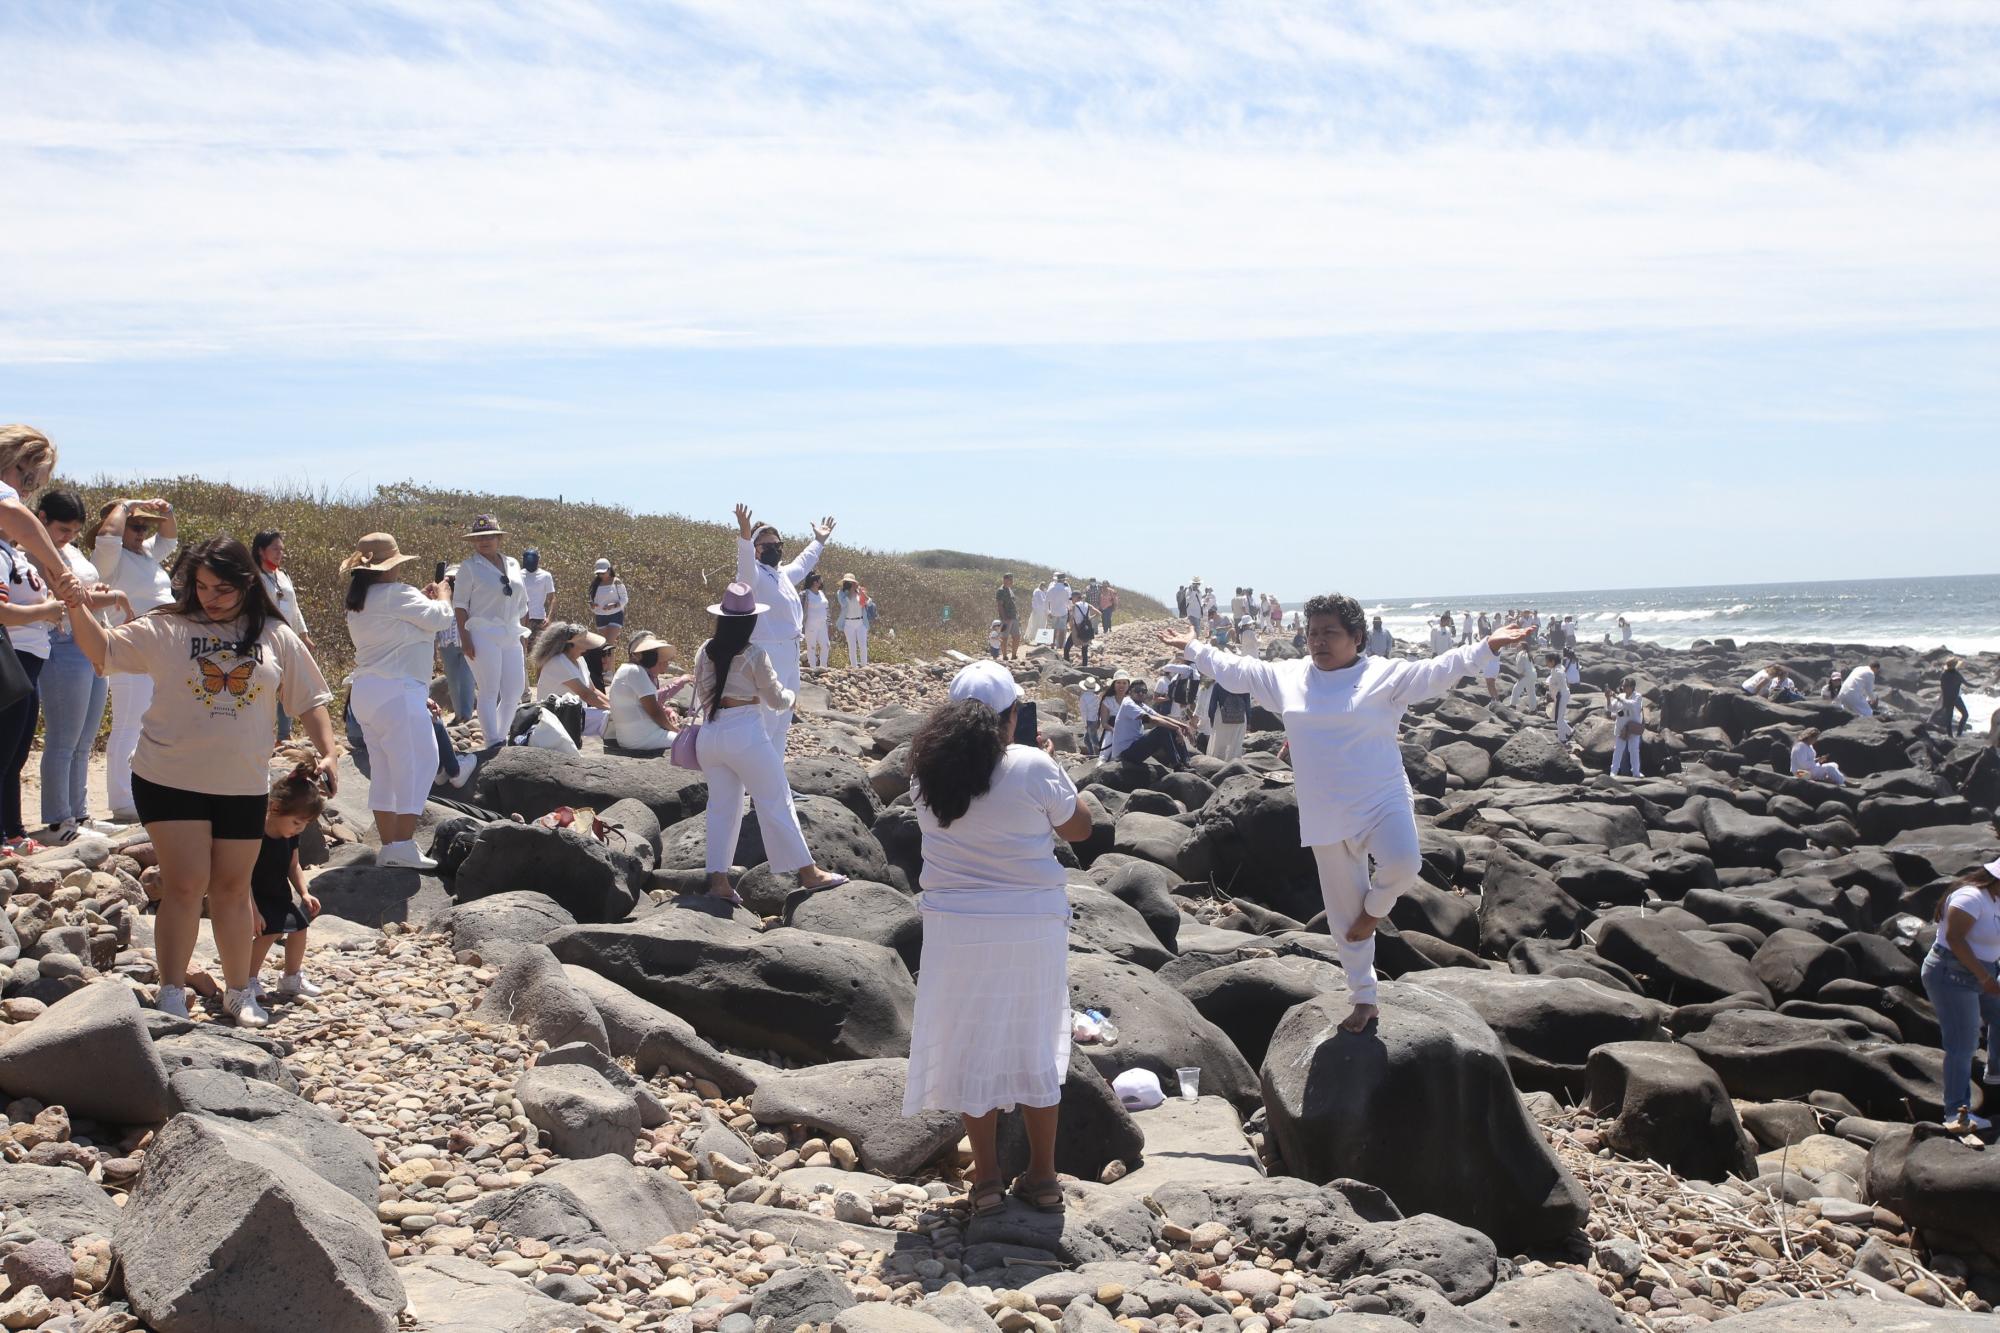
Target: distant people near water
x,y
1806,763
200,774
129,541
72,693
1523,695
490,604
394,628
1961,975
1628,725
1857,690
857,616
278,895
992,1023
761,566
1773,683
1440,637
1485,626
556,657
1624,630
267,548
609,600
1558,695
736,682
1380,643
1341,710
1138,733
1247,641
458,679
639,720
1007,618
813,620
1951,697
541,586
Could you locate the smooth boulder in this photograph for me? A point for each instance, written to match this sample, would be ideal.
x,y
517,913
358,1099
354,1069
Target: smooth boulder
x,y
90,1053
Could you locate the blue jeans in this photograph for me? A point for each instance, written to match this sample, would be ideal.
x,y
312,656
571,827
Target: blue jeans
x,y
17,737
73,697
458,679
357,745
1961,1007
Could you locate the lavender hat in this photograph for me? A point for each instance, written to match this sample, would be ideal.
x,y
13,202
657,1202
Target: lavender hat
x,y
738,600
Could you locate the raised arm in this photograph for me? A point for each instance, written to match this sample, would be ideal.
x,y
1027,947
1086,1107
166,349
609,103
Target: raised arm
x,y
1411,682
1238,675
805,561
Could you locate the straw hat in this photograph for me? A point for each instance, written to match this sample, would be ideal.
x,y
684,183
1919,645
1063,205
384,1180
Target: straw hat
x,y
737,600
485,525
590,639
849,578
644,642
1091,685
376,552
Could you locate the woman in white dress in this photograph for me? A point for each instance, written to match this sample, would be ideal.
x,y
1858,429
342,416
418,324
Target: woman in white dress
x,y
1806,762
992,1020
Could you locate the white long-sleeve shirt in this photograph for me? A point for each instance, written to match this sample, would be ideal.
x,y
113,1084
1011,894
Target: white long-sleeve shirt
x,y
1342,727
285,597
1759,682
1859,687
395,632
1628,708
813,607
492,598
783,625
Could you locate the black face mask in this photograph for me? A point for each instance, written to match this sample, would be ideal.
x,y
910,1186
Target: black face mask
x,y
769,554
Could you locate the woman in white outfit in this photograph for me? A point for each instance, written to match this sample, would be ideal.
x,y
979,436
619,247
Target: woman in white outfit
x,y
557,658
1806,762
854,620
812,607
490,601
1524,683
1341,711
732,676
640,720
1559,696
394,628
128,542
992,1019
1628,722
1857,692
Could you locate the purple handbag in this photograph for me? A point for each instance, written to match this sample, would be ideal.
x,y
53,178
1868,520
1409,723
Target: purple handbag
x,y
687,742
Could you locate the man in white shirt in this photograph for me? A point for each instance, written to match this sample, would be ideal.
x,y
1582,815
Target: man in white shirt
x,y
1857,692
1055,600
541,586
760,564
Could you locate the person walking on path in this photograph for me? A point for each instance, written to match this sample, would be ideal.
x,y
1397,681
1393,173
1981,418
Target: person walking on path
x,y
278,895
1961,975
1341,710
855,614
813,620
221,659
72,692
129,541
267,548
1524,689
992,1023
1107,604
394,628
734,677
1007,610
490,604
1056,598
761,567
1628,723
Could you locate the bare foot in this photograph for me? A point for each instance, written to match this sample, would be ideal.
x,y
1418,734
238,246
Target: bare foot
x,y
1360,1017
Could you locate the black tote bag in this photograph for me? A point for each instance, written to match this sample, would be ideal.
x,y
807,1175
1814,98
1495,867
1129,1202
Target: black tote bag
x,y
14,683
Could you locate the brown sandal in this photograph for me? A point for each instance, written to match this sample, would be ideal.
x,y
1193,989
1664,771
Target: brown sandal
x,y
987,1198
1043,1196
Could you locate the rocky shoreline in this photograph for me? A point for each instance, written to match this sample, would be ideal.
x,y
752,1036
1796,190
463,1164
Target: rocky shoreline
x,y
1655,1054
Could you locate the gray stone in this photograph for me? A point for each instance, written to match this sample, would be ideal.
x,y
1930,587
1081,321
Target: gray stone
x,y
862,1102
882,1318
657,1038
91,1053
808,1294
449,1294
56,1202
290,1124
582,1114
534,993
605,1202
496,927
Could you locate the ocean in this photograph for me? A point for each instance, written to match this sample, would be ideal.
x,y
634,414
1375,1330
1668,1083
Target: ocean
x,y
1961,613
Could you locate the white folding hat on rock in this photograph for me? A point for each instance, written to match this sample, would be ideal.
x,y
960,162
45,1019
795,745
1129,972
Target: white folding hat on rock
x,y
1138,1089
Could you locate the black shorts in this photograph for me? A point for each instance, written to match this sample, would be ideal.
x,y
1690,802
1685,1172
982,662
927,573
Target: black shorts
x,y
229,817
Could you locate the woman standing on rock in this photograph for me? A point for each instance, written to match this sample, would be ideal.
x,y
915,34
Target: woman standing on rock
x,y
1341,711
394,627
490,600
992,1020
812,612
732,676
1962,977
219,660
1628,725
73,694
854,619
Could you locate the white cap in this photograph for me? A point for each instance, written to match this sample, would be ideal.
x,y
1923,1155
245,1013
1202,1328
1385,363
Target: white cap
x,y
1993,868
988,682
1138,1089
603,565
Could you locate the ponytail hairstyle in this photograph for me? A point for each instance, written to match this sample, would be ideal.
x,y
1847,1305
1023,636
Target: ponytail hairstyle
x,y
953,756
298,793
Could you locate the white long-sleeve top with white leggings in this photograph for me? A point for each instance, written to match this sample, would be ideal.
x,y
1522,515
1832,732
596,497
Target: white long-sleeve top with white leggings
x,y
395,637
778,630
736,757
1354,796
819,648
1524,684
1806,760
1628,714
1857,692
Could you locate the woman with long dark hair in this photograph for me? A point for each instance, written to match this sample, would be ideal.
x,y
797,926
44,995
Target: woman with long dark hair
x,y
732,676
394,628
992,1020
220,659
73,694
1961,975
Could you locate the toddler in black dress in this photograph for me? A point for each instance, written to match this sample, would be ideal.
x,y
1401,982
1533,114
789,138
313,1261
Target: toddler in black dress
x,y
278,886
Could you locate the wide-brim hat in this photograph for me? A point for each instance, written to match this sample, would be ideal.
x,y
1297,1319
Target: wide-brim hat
x,y
849,578
1121,674
645,642
737,600
376,552
589,638
485,525
1091,685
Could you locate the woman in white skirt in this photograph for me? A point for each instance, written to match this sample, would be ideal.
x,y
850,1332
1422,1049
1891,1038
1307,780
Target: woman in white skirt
x,y
992,1021
732,676
394,627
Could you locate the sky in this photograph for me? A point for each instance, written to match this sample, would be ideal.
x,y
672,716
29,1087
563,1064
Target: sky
x,y
1419,296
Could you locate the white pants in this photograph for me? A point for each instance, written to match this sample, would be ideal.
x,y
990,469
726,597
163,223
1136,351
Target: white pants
x,y
131,695
499,673
1344,885
1524,687
819,648
1225,740
402,745
1625,752
1826,772
777,723
736,757
857,641
1857,705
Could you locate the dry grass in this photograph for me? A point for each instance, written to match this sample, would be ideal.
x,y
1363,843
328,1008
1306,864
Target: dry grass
x,y
674,566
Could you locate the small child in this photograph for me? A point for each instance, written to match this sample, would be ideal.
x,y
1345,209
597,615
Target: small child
x,y
278,886
994,637
1088,702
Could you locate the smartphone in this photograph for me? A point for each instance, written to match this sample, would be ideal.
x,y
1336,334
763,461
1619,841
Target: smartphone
x,y
1027,725
437,575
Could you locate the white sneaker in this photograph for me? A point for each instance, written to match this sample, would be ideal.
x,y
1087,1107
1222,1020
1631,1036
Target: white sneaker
x,y
106,826
295,983
59,835
172,1000
467,763
404,856
256,988
243,1009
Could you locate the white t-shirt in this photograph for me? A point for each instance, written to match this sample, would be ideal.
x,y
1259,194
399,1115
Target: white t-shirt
x,y
1984,937
630,726
558,671
285,597
484,597
541,586
998,858
86,574
1056,599
139,575
1758,682
395,632
25,589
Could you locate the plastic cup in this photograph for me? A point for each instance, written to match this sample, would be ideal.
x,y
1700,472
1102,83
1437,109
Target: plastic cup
x,y
1190,1083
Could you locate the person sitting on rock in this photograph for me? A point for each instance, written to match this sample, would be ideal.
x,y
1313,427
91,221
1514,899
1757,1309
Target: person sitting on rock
x,y
1341,712
1961,975
1628,722
1138,733
556,658
1857,692
1806,762
992,1024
